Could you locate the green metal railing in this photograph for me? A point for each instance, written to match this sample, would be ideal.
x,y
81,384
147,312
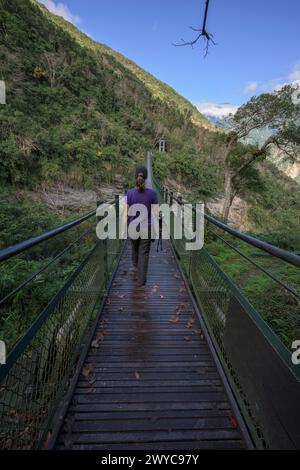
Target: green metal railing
x,y
74,268
257,363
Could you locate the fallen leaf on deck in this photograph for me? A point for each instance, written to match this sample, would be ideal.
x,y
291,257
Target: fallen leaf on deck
x,y
100,336
91,379
86,371
174,319
191,322
233,421
187,338
137,375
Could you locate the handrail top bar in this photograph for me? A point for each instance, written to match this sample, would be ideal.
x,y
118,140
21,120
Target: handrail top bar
x,y
285,255
14,250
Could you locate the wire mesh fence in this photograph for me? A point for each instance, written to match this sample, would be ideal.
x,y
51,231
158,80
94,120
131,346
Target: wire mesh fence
x,y
256,357
42,358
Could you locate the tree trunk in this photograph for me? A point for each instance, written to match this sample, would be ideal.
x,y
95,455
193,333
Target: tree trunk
x,y
228,197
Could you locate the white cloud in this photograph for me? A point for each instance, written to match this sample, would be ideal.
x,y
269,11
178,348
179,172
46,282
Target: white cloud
x,y
217,110
294,76
250,87
61,9
275,84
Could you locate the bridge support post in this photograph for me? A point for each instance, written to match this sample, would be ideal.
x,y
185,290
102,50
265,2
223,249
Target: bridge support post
x,y
166,195
171,214
194,230
117,206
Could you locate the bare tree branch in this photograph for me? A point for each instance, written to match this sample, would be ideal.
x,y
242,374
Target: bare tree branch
x,y
202,32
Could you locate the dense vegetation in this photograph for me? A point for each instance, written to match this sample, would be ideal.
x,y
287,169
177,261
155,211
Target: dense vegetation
x,y
278,307
79,113
74,112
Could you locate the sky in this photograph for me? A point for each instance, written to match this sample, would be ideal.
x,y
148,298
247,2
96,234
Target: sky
x,y
257,43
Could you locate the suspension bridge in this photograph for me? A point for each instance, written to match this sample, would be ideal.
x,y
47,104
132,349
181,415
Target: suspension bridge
x,y
186,363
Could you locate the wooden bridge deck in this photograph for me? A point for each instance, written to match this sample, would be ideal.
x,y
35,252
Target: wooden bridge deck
x,y
149,380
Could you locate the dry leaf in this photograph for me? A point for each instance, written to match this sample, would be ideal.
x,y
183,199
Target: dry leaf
x,y
86,371
190,323
92,379
233,421
174,319
137,375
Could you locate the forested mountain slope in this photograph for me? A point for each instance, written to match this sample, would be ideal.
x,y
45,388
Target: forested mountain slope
x,y
81,115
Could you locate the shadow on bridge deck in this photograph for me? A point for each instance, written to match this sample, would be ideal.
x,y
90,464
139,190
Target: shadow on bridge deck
x,y
149,380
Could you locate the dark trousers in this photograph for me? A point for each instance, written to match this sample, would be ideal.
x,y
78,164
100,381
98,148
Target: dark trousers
x,y
140,257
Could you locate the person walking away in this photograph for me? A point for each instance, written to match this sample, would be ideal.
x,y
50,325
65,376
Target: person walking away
x,y
141,246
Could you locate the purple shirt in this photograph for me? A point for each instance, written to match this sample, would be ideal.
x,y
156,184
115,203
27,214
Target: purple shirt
x,y
147,197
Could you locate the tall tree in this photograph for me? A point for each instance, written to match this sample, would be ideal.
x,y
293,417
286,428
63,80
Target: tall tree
x,y
280,111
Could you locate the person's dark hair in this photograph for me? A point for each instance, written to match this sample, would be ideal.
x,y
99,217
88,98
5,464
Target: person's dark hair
x,y
141,174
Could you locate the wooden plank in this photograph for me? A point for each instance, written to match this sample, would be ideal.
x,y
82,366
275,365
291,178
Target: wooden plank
x,y
145,389
150,381
160,446
153,414
138,382
152,424
160,406
152,436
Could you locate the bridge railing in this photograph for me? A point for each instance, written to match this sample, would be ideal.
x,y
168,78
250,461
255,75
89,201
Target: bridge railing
x,y
257,360
62,277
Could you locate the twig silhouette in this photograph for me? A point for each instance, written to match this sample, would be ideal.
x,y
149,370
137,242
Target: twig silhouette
x,y
202,32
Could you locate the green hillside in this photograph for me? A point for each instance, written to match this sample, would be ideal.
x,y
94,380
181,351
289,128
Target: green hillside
x,y
80,114
75,110
158,89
